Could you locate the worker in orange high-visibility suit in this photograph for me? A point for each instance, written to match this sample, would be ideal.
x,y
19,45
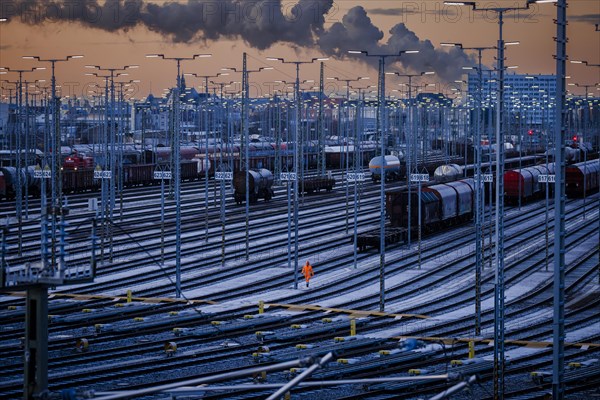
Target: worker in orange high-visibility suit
x,y
308,272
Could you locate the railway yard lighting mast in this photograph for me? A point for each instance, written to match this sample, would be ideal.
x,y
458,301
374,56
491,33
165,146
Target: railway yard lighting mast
x,y
20,151
276,131
28,118
499,359
359,123
35,382
246,137
206,130
176,160
479,213
280,178
321,123
283,82
382,123
121,138
297,146
222,118
558,388
114,72
413,148
558,356
56,170
488,128
546,105
347,130
414,131
104,207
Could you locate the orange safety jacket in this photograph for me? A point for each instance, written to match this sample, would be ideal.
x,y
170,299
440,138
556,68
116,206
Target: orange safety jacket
x,y
307,271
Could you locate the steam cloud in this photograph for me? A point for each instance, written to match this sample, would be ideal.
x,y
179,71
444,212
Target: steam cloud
x,y
260,23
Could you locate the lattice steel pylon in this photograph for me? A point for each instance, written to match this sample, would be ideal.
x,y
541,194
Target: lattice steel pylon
x,y
558,355
321,126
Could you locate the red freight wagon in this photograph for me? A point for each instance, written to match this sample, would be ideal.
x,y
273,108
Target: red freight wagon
x,y
582,178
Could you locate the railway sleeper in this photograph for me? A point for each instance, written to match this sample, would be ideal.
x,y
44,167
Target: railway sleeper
x,y
312,331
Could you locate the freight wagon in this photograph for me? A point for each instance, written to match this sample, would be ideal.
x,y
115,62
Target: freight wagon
x,y
442,205
524,183
582,179
316,183
260,185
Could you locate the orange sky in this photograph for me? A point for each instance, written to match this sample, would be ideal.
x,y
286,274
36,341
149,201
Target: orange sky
x,y
429,20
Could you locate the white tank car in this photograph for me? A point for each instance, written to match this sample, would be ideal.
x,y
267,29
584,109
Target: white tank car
x,y
448,173
391,168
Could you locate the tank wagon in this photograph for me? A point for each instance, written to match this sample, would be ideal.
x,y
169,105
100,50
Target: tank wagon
x,y
392,168
396,168
447,173
11,180
260,185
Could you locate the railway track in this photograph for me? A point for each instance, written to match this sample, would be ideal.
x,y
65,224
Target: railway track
x,y
127,338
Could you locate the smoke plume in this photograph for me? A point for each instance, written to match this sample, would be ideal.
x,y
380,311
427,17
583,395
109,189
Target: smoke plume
x,y
260,23
357,32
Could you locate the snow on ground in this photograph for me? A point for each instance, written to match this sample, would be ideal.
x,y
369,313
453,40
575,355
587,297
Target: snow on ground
x,y
252,276
575,336
249,279
357,294
201,255
513,292
487,304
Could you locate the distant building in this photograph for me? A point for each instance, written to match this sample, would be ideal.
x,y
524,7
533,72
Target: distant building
x,y
530,98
